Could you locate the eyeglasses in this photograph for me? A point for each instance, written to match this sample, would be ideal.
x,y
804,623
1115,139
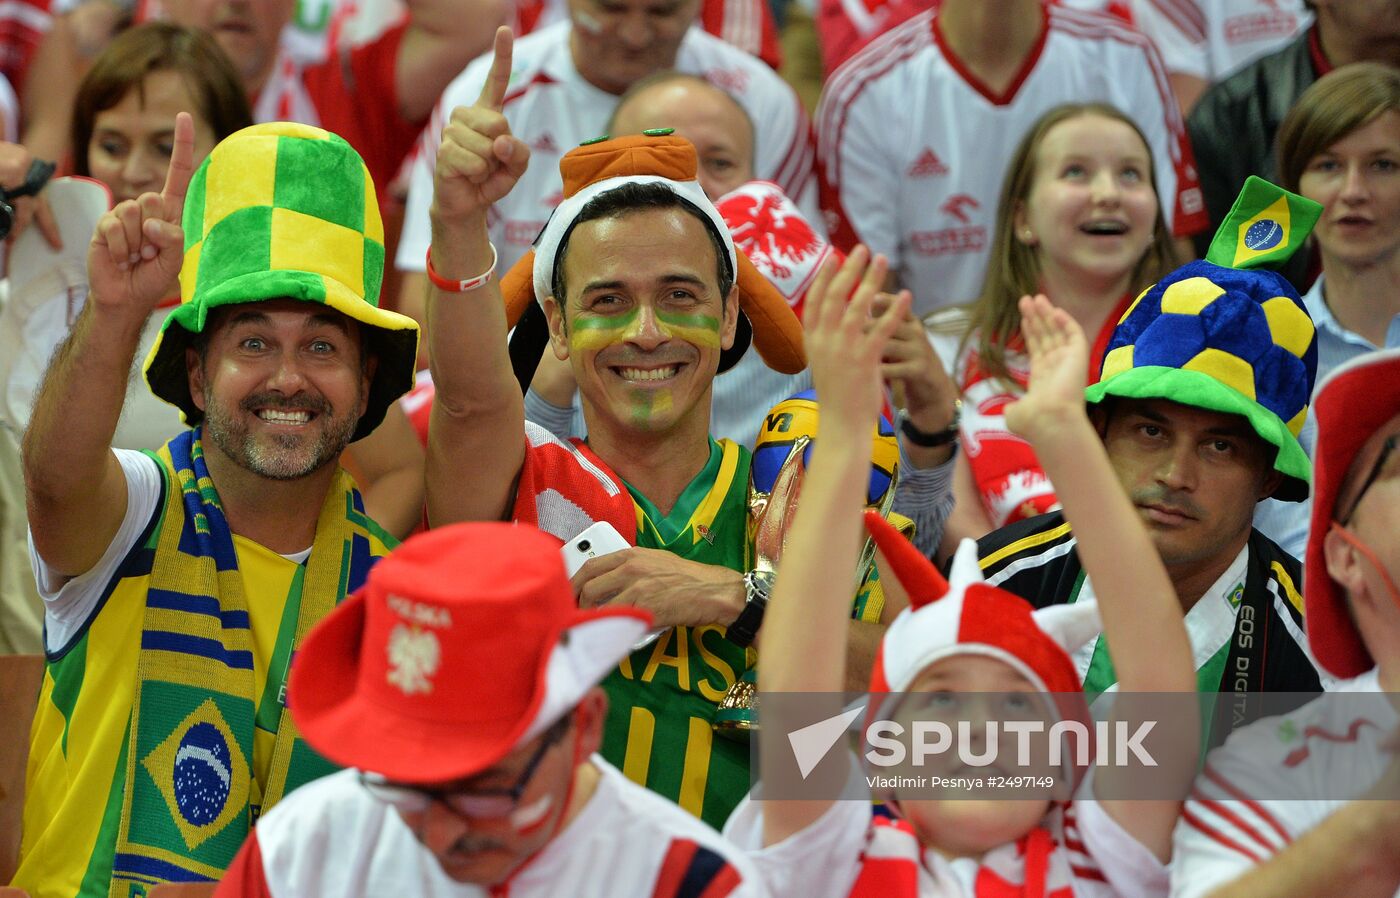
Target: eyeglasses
x,y
1376,468
477,804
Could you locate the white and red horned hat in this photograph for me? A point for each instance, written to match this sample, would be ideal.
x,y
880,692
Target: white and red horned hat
x,y
967,616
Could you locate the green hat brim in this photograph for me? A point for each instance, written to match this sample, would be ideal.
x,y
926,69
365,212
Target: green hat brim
x,y
390,337
1200,390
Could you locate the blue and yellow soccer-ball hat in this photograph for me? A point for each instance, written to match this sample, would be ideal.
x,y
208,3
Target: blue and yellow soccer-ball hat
x,y
1226,334
284,211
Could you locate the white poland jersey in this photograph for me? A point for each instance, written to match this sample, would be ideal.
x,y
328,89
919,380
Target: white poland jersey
x,y
553,109
1278,778
1212,38
913,149
331,838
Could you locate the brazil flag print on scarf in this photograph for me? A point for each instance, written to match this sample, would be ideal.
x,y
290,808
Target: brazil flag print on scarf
x,y
189,796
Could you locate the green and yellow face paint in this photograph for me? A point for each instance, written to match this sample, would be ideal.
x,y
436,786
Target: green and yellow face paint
x,y
593,333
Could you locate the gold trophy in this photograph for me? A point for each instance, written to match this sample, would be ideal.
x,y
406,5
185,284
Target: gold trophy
x,y
791,426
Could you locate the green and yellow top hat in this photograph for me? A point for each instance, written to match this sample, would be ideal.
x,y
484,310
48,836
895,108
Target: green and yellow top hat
x,y
1228,335
284,211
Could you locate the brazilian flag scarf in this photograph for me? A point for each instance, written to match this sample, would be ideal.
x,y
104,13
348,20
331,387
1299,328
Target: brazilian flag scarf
x,y
189,793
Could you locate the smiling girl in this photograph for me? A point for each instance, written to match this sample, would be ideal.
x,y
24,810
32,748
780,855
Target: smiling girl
x,y
1078,220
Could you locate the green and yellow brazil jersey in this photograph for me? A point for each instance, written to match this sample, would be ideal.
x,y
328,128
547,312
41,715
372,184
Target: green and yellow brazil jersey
x,y
78,760
663,698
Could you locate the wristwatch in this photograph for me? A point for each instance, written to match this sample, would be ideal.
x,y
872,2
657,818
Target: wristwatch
x,y
927,440
757,587
38,175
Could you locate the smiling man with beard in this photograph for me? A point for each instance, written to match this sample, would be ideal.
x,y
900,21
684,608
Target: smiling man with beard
x,y
1203,392
179,584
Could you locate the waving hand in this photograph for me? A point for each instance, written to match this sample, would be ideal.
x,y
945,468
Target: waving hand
x,y
138,246
479,160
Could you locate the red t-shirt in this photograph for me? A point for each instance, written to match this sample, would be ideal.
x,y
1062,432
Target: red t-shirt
x,y
357,97
354,93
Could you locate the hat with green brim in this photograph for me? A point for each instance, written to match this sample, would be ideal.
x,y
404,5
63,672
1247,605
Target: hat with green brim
x,y
1226,335
284,211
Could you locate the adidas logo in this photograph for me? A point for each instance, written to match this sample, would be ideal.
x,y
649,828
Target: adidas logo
x,y
927,165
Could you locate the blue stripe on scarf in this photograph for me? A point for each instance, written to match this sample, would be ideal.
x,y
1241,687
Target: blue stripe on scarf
x,y
361,560
161,640
135,865
179,601
193,542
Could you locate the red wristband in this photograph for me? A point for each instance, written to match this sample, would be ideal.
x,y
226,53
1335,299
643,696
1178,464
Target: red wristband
x,y
463,286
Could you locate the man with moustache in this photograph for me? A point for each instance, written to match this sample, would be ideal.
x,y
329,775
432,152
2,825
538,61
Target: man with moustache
x,y
178,585
1309,803
646,297
1204,389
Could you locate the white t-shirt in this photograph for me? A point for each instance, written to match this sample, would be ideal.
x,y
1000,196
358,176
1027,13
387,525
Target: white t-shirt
x,y
1278,778
331,837
1096,856
70,603
913,151
553,109
1212,38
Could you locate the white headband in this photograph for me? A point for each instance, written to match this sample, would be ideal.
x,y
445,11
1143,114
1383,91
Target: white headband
x,y
567,212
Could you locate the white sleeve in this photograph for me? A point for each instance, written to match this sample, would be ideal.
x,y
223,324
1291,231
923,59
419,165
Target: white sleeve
x,y
785,154
859,180
9,108
68,604
1177,27
1222,834
1127,864
821,861
415,234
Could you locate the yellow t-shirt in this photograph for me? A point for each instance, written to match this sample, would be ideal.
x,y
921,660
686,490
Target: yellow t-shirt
x,y
78,757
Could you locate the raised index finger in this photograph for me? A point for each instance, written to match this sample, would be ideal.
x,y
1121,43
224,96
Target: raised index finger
x,y
177,177
493,92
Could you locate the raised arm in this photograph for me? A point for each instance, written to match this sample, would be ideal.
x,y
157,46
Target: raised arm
x,y
390,463
441,38
74,485
805,641
1142,619
476,436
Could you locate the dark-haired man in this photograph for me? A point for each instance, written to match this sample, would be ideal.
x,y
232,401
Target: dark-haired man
x,y
1204,389
1309,803
646,298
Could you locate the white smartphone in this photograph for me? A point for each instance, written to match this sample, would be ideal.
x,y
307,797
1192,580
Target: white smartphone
x,y
600,539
